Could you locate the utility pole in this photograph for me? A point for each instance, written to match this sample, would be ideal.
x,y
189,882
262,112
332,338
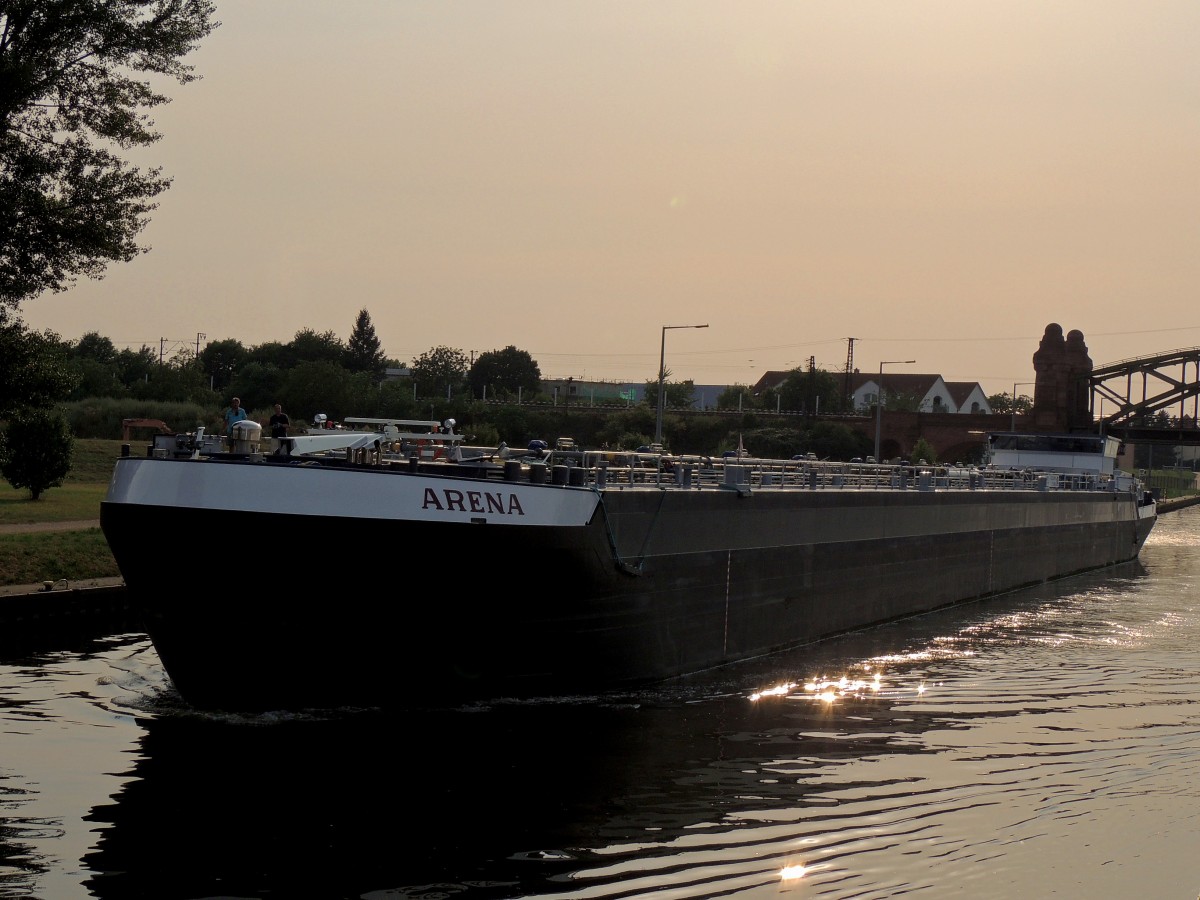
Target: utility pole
x,y
161,341
849,368
200,336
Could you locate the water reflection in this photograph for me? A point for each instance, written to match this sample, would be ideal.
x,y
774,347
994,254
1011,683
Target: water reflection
x,y
1046,742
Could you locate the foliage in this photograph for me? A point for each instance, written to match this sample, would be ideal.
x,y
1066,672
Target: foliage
x,y
35,451
775,442
833,440
675,394
95,347
736,396
1004,403
70,92
219,361
440,371
135,365
101,417
33,368
271,353
923,450
325,386
309,346
504,374
813,391
363,352
259,384
902,401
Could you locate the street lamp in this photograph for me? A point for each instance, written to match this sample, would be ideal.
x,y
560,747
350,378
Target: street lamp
x,y
662,376
1017,384
879,399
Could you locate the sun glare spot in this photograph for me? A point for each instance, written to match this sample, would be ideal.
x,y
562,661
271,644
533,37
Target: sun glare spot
x,y
792,873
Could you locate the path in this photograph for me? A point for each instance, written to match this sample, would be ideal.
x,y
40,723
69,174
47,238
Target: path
x,y
32,527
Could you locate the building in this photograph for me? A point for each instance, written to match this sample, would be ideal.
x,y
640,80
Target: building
x,y
930,393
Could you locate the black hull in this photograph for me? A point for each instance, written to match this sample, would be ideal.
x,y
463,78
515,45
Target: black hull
x,y
370,613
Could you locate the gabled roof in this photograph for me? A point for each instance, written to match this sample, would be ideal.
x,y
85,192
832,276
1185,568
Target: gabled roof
x,y
896,382
960,391
772,379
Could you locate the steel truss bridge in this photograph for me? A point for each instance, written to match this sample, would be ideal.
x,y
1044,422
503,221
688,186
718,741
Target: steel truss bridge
x,y
1150,399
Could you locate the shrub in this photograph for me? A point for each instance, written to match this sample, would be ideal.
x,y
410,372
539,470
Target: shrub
x,y
36,450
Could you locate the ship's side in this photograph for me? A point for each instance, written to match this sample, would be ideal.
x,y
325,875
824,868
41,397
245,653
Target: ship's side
x,y
268,584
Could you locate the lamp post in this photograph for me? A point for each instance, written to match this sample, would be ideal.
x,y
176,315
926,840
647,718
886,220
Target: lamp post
x,y
1017,384
879,400
662,376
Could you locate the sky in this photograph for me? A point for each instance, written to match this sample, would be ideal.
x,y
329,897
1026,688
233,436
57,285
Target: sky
x,y
936,180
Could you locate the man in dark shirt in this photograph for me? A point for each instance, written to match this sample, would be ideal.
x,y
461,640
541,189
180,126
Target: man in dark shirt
x,y
279,430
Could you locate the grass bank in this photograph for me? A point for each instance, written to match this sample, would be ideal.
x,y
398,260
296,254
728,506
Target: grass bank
x,y
33,557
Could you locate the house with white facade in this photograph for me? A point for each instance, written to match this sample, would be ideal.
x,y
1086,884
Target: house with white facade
x,y
930,393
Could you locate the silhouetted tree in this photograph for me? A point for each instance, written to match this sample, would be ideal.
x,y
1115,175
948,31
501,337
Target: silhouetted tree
x,y
736,396
812,391
220,360
504,373
677,393
135,365
73,87
33,366
363,353
95,346
440,370
326,388
272,353
308,346
260,385
36,450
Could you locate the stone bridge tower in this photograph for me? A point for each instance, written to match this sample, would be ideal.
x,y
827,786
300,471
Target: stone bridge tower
x,y
1060,393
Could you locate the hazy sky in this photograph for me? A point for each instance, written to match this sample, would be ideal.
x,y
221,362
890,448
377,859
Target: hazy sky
x,y
938,180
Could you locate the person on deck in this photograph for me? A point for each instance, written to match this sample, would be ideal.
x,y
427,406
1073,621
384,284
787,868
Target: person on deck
x,y
279,422
233,414
279,430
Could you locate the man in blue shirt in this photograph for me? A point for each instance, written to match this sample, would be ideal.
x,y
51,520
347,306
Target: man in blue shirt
x,y
235,413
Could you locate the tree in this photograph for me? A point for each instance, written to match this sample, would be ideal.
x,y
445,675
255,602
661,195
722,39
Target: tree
x,y
363,353
325,388
221,360
95,346
813,391
136,365
736,396
36,450
69,94
677,394
260,385
439,370
1007,403
504,373
271,353
923,450
308,346
94,362
33,367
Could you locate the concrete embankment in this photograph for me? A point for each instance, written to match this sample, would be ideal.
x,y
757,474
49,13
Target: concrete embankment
x,y
1166,506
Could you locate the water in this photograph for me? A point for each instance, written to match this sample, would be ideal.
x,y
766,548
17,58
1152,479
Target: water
x,y
1046,744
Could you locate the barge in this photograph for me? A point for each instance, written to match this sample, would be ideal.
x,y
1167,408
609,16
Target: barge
x,y
379,573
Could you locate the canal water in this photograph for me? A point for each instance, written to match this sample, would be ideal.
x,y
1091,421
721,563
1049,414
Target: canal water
x,y
1044,744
